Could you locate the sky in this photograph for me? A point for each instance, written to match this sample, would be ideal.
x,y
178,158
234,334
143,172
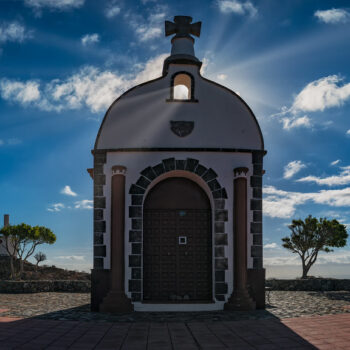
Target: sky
x,y
63,62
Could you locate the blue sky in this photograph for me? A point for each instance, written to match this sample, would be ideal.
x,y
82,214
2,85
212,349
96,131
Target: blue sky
x,y
63,62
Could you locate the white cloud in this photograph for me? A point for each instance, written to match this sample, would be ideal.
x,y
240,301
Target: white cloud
x,y
348,132
62,5
55,207
292,168
1,142
90,39
270,246
321,94
11,142
71,257
112,11
149,28
335,180
333,16
296,122
90,87
13,32
237,7
17,91
68,191
222,76
84,204
282,204
335,162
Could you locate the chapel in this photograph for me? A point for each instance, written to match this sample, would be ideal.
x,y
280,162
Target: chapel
x,y
178,166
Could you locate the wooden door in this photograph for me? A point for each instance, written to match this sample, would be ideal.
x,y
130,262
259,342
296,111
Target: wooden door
x,y
177,251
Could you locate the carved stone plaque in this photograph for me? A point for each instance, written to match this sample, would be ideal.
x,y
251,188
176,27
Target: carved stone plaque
x,y
181,128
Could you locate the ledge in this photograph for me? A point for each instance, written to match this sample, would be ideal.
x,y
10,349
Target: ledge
x,y
310,284
16,287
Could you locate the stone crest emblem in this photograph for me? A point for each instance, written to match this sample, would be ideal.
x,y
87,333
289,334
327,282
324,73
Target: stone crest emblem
x,y
181,128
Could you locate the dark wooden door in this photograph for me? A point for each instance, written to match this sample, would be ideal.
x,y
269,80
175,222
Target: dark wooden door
x,y
177,251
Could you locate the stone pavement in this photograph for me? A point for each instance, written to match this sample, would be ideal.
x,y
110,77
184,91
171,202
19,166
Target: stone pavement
x,y
63,321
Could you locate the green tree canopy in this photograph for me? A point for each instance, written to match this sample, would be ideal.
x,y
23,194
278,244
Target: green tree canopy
x,y
21,241
310,236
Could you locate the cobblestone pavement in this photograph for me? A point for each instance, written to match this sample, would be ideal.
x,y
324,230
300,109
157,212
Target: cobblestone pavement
x,y
75,306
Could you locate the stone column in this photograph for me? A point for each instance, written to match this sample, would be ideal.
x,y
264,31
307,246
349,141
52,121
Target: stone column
x,y
116,300
240,299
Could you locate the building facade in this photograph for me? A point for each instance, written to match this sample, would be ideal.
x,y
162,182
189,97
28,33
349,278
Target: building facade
x,y
178,166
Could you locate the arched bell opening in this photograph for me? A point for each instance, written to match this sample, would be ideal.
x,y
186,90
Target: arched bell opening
x,y
177,243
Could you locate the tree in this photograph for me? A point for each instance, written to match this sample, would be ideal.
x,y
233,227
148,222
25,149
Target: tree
x,y
21,241
310,236
39,257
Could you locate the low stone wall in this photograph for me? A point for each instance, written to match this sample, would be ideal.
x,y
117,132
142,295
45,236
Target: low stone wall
x,y
45,286
312,284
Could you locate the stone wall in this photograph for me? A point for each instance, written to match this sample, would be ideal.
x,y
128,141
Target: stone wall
x,y
45,286
312,284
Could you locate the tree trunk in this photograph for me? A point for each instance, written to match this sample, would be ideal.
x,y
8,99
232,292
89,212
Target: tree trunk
x,y
305,270
12,268
21,267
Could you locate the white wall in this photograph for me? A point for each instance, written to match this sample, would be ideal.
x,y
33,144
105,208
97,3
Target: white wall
x,y
222,163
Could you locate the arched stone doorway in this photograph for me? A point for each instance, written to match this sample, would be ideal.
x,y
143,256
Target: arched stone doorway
x,y
177,243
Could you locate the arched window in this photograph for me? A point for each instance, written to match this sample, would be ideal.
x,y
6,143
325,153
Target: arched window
x,y
182,87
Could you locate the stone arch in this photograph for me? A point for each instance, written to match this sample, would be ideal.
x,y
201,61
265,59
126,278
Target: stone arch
x,y
189,83
219,218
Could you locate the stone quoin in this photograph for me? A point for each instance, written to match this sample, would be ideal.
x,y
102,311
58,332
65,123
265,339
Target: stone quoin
x,y
178,166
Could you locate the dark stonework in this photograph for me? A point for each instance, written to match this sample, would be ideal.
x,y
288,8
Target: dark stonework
x,y
257,263
100,158
134,285
180,164
98,190
136,190
98,214
169,164
191,164
143,182
136,224
257,157
256,251
159,169
219,252
255,204
98,263
220,288
256,227
258,169
219,204
136,248
98,238
136,199
209,175
136,273
257,216
256,181
220,239
221,215
135,236
220,276
134,260
135,211
257,239
136,296
214,185
149,173
257,192
221,264
99,226
100,179
219,227
100,202
200,170
98,169
99,250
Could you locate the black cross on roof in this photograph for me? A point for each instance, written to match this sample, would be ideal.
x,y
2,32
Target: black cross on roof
x,y
182,27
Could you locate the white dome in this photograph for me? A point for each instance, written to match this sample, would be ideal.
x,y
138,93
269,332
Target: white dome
x,y
141,118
